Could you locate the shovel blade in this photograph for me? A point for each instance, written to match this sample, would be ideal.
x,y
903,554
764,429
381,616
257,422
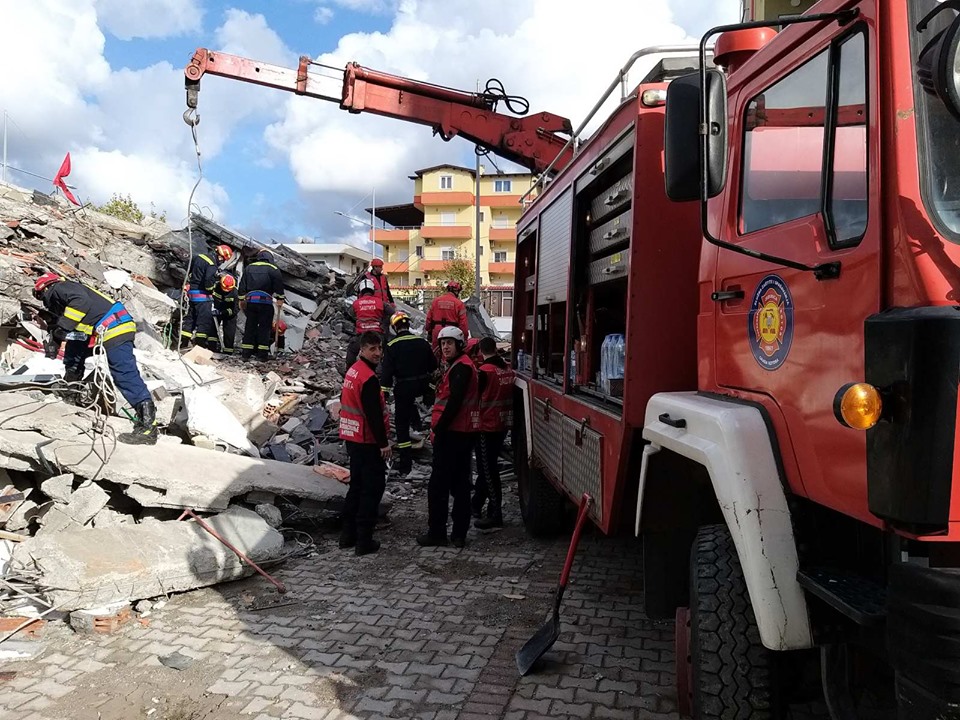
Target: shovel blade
x,y
536,646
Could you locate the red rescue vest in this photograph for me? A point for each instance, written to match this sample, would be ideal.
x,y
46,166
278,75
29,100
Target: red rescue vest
x,y
379,285
446,310
353,423
368,311
496,400
468,419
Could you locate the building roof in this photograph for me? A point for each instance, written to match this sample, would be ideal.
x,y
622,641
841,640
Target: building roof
x,y
406,215
469,171
317,249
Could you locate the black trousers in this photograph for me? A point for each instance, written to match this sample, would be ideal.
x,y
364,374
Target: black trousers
x,y
405,394
198,325
257,330
489,445
228,327
450,477
368,479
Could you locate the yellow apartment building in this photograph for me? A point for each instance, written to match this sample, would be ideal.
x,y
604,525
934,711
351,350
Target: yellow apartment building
x,y
770,9
439,225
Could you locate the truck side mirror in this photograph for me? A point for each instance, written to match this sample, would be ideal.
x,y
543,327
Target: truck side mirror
x,y
938,67
682,140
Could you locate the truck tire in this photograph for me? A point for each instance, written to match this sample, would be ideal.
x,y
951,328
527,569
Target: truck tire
x,y
541,506
733,673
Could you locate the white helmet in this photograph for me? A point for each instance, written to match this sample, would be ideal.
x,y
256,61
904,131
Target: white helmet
x,y
451,331
366,284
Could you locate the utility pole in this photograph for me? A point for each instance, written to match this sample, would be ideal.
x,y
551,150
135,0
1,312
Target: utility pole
x,y
373,225
4,178
476,252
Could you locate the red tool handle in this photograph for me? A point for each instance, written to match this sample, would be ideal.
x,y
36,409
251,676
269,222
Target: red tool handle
x,y
585,502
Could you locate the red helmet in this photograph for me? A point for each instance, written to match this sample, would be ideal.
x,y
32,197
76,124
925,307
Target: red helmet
x,y
45,281
280,326
454,286
228,283
473,346
224,252
376,262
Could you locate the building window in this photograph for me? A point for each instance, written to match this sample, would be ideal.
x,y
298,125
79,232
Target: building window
x,y
419,251
418,282
501,221
447,253
446,182
502,185
481,250
500,257
481,216
448,218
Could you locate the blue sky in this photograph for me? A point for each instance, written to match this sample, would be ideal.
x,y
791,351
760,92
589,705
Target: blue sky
x,y
108,87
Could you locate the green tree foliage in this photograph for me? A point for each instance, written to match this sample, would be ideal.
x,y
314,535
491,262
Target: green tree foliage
x,y
462,270
124,207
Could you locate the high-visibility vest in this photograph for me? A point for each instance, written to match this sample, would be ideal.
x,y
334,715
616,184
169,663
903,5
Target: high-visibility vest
x,y
369,313
468,419
353,423
496,400
379,285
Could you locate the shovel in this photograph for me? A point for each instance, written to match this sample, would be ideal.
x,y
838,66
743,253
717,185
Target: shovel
x,y
547,635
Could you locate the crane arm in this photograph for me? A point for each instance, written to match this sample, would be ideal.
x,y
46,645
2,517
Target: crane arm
x,y
531,141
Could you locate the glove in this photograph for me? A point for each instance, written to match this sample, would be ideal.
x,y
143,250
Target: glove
x,y
215,312
51,348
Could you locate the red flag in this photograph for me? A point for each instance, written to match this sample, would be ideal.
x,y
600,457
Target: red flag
x,y
61,174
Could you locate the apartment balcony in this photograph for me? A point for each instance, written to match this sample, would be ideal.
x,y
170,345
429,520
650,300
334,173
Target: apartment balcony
x,y
397,267
508,234
393,235
501,268
501,200
445,198
446,232
426,266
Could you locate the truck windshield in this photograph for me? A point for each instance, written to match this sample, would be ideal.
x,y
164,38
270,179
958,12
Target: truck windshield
x,y
938,135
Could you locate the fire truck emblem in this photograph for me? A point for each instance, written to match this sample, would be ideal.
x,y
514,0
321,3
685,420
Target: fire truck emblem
x,y
771,322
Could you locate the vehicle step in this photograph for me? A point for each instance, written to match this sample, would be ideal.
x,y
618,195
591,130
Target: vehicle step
x,y
861,599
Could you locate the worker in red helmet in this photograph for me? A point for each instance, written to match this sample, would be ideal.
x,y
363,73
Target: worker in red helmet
x,y
198,325
82,312
381,287
446,311
225,309
279,330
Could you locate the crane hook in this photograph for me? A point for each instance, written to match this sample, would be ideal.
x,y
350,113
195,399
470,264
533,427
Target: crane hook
x,y
191,117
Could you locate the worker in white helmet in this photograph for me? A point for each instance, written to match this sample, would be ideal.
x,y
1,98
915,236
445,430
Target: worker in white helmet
x,y
368,311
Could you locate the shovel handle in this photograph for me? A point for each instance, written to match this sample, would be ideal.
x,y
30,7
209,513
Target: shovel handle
x,y
585,503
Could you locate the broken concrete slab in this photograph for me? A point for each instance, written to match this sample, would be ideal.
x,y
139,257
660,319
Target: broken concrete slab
x,y
94,567
85,503
59,487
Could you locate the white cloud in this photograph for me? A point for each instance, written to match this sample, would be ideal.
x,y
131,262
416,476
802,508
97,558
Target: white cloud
x,y
560,62
128,19
367,6
322,15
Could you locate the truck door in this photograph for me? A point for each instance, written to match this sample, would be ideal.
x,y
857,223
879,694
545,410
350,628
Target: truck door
x,y
804,149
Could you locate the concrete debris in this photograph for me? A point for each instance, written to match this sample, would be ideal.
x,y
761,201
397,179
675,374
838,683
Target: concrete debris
x,y
269,513
59,487
83,568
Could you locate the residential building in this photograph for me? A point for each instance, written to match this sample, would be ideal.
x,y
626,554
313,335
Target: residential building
x,y
440,225
769,9
346,258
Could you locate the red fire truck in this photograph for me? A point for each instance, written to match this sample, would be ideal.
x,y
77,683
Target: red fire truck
x,y
786,417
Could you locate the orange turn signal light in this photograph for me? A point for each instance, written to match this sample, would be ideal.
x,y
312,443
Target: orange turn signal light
x,y
858,406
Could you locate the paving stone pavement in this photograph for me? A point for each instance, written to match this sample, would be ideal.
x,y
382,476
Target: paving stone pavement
x,y
407,633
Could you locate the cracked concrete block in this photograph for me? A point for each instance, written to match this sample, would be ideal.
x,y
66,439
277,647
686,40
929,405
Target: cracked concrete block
x,y
58,488
270,514
87,567
85,503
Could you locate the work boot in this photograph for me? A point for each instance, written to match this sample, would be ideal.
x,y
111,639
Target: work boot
x,y
428,540
366,547
404,463
347,540
145,427
492,520
459,542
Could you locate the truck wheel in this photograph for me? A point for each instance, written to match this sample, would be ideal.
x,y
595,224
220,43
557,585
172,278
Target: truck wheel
x,y
733,673
541,506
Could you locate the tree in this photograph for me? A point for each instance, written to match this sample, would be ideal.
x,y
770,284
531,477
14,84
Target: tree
x,y
126,209
460,269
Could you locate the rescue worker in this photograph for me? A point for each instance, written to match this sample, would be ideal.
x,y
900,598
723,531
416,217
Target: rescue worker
x,y
454,421
495,382
368,313
446,311
198,324
408,364
83,312
279,332
365,427
381,287
225,300
260,285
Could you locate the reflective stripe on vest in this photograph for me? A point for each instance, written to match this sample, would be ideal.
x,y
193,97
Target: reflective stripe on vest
x,y
198,296
353,423
496,400
468,418
116,322
259,297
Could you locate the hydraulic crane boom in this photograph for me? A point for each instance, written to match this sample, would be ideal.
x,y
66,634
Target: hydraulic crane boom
x,y
530,141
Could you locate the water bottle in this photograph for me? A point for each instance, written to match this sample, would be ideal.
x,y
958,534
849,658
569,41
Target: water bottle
x,y
520,359
573,366
619,355
605,364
